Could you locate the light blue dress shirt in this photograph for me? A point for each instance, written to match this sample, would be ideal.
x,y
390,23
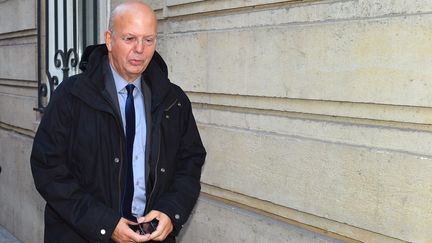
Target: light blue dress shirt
x,y
138,156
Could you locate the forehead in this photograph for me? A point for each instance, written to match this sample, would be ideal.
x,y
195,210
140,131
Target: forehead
x,y
135,21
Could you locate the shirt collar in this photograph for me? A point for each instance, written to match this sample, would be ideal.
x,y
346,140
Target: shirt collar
x,y
121,83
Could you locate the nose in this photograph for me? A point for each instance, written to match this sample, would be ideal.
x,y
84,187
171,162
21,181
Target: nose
x,y
139,47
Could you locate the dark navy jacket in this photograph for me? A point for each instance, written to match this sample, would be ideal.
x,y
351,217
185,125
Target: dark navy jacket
x,y
79,152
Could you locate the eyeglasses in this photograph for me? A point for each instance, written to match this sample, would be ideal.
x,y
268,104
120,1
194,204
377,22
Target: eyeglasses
x,y
133,40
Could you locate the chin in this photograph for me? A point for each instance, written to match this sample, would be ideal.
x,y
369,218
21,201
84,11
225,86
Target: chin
x,y
137,70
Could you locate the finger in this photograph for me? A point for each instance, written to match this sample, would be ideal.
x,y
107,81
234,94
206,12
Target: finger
x,y
140,238
155,235
161,236
158,232
141,220
152,215
123,233
132,223
161,231
167,230
165,227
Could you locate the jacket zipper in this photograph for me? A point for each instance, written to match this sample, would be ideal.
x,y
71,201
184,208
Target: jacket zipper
x,y
120,173
156,168
170,106
121,166
157,161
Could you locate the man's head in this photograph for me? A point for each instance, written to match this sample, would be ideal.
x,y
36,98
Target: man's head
x,y
131,38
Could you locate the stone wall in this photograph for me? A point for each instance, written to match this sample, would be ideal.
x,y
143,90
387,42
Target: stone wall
x,y
21,206
315,114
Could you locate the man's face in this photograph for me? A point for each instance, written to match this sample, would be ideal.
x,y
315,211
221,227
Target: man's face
x,y
132,43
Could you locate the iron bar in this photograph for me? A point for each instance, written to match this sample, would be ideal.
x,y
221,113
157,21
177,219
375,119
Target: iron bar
x,y
65,57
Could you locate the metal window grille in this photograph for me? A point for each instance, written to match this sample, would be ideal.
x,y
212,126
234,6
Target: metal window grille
x,y
65,28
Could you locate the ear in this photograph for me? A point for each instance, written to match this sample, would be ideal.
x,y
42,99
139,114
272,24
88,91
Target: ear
x,y
108,39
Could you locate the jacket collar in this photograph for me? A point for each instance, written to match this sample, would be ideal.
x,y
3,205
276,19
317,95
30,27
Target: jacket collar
x,y
92,81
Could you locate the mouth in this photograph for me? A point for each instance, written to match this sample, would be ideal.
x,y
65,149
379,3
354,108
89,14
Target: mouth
x,y
136,62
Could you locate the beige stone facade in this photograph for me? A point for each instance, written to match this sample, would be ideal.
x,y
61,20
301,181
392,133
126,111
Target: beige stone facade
x,y
316,116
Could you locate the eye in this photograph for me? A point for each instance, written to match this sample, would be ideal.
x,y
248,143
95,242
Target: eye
x,y
149,41
129,39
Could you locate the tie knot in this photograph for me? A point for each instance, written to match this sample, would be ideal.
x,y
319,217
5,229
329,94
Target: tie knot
x,y
130,88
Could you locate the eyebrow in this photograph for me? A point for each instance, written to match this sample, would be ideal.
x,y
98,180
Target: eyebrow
x,y
150,35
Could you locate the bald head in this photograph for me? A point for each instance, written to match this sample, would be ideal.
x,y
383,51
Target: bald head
x,y
131,38
130,7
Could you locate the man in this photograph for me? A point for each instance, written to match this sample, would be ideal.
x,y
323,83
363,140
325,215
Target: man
x,y
118,144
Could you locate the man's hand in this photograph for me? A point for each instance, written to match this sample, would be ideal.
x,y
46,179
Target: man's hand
x,y
164,227
122,233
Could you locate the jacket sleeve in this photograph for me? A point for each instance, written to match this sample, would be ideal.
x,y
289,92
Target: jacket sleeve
x,y
54,180
184,190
